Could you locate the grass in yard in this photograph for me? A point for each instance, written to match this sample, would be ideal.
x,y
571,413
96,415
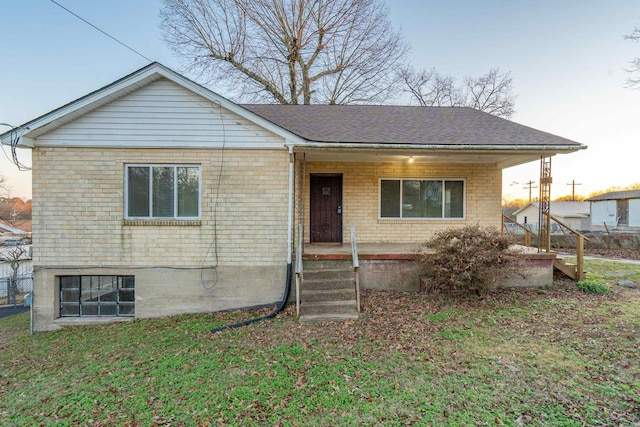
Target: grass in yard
x,y
515,357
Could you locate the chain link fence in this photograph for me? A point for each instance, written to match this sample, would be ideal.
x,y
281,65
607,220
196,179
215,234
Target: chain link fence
x,y
11,288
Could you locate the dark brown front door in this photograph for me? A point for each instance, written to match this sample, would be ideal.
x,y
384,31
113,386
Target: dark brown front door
x,y
326,208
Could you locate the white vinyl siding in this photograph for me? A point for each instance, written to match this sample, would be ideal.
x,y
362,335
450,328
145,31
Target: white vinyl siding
x,y
634,212
162,114
604,212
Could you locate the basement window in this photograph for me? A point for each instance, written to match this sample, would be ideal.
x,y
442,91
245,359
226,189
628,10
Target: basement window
x,y
421,198
162,192
97,296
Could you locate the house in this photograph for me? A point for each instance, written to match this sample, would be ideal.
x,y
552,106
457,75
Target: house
x,y
574,214
155,196
617,210
8,230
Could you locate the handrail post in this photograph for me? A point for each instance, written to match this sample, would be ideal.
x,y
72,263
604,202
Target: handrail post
x,y
299,273
527,238
580,239
356,265
580,256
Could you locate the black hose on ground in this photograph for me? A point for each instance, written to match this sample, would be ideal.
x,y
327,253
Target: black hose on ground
x,y
271,315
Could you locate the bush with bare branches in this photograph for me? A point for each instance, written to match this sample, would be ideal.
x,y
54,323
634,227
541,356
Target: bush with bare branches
x,y
471,259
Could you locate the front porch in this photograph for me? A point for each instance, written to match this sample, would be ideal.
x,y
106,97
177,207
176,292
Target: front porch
x,y
329,281
396,266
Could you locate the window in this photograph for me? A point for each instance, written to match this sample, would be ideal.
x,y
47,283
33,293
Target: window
x,y
97,296
162,191
421,198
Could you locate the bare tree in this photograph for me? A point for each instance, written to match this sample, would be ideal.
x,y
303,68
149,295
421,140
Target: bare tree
x,y
491,92
288,51
431,89
15,256
634,69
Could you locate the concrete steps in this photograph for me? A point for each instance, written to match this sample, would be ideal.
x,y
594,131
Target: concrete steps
x,y
328,292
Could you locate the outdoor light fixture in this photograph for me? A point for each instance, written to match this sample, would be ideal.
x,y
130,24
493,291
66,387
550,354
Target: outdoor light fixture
x,y
410,159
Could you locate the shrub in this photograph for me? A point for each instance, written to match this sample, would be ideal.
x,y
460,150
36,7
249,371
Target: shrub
x,y
593,286
471,259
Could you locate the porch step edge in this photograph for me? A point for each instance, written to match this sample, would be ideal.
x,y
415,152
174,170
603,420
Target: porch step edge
x,y
332,303
309,318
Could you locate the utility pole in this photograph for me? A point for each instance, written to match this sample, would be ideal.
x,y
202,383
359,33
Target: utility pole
x,y
530,186
573,189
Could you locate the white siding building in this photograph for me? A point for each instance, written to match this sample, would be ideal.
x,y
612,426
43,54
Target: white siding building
x,y
618,210
573,214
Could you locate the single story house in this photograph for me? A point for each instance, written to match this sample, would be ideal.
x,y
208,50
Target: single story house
x,y
618,210
155,196
574,214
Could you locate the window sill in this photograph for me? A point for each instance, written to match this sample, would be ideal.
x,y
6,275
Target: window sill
x,y
415,220
161,222
91,320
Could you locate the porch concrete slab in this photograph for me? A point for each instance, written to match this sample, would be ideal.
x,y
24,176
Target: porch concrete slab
x,y
365,250
395,266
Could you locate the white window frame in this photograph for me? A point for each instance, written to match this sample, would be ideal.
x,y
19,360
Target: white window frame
x,y
442,218
175,166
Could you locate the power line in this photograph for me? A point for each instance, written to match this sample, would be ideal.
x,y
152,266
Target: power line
x,y
103,32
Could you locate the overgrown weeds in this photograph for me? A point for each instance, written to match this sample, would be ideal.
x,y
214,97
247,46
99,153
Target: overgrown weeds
x,y
593,286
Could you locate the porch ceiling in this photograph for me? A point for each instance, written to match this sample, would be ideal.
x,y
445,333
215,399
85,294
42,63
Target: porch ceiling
x,y
501,159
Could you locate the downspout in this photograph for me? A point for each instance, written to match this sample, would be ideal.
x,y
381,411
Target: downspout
x,y
287,286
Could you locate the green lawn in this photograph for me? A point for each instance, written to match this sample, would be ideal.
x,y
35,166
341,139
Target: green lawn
x,y
516,357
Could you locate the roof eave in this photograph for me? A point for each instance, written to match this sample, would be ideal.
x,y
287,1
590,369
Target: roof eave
x,y
555,149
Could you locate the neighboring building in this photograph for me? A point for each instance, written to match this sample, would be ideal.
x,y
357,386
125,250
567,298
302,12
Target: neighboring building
x,y
617,210
9,231
155,196
572,213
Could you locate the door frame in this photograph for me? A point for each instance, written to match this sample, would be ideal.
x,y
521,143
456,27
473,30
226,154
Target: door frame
x,y
311,205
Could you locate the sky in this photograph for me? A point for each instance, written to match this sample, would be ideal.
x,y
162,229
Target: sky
x,y
567,59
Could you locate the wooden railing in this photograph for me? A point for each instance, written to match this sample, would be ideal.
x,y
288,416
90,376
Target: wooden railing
x,y
580,238
298,270
527,232
356,265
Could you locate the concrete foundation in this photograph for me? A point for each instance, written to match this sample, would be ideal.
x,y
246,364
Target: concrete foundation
x,y
400,270
165,291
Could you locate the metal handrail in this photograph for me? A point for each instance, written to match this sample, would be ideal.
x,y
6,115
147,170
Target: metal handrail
x,y
356,264
298,271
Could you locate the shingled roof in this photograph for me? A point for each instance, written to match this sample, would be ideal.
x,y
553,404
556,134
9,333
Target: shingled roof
x,y
392,124
617,195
